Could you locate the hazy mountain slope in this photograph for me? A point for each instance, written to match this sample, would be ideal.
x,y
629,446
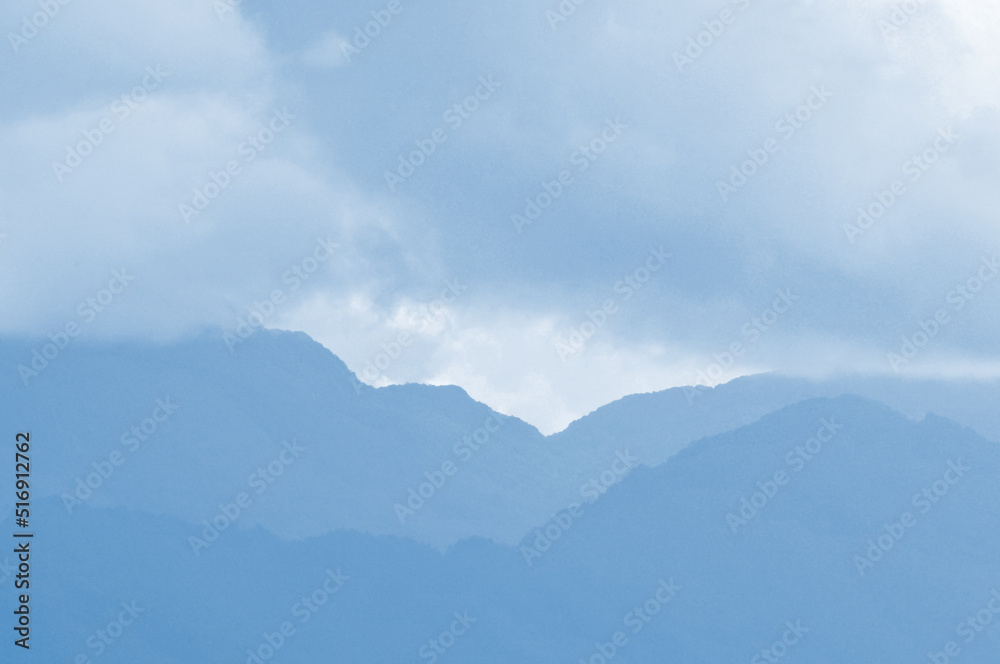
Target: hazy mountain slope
x,y
659,424
363,448
795,559
732,593
359,457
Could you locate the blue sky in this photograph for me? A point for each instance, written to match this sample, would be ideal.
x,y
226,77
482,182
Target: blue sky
x,y
626,133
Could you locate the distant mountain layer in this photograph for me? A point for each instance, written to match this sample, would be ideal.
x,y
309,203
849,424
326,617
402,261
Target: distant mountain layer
x,y
832,530
178,430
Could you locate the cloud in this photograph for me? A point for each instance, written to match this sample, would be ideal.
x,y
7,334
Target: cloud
x,y
193,171
727,159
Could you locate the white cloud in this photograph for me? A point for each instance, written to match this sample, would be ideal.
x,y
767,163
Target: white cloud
x,y
323,175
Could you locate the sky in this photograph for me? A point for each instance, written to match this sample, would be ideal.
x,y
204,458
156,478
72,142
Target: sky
x,y
549,204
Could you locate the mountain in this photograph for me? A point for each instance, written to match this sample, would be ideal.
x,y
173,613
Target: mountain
x,y
425,462
865,537
662,423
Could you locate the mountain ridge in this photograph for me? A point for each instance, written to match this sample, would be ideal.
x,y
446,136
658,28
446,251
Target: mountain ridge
x,y
368,450
731,594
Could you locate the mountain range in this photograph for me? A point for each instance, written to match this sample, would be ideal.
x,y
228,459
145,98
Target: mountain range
x,y
848,519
